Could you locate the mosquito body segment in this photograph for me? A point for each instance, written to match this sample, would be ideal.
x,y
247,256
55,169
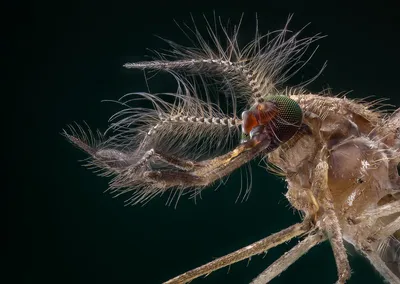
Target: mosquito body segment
x,y
339,157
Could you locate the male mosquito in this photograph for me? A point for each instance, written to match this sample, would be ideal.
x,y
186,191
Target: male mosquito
x,y
339,157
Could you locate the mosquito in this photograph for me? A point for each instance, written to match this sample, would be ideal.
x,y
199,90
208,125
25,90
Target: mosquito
x,y
340,157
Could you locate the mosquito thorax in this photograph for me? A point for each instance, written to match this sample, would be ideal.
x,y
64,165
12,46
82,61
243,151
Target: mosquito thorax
x,y
276,113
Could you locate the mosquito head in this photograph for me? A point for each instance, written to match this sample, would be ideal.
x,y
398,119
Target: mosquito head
x,y
278,114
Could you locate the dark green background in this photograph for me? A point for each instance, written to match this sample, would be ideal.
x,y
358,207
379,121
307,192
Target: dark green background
x,y
62,228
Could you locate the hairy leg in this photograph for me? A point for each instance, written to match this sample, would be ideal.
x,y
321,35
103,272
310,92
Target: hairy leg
x,y
381,211
334,232
388,230
246,252
381,266
289,258
329,221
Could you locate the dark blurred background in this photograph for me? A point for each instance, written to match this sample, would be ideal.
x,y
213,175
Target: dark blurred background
x,y
67,57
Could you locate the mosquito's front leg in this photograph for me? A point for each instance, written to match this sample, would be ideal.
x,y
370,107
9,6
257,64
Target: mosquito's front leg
x,y
385,232
388,230
246,252
381,266
289,258
381,211
329,221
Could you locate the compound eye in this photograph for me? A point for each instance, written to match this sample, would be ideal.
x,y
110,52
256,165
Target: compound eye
x,y
266,112
288,118
249,121
278,114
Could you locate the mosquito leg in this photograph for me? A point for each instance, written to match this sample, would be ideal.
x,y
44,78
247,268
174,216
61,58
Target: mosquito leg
x,y
289,258
381,211
329,221
381,266
339,251
243,253
388,230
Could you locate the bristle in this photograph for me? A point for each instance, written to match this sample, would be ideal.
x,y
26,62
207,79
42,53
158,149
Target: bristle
x,y
389,251
169,126
191,124
258,69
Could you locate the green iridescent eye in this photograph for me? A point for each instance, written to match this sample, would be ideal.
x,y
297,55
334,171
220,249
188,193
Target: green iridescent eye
x,y
289,109
278,115
289,116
